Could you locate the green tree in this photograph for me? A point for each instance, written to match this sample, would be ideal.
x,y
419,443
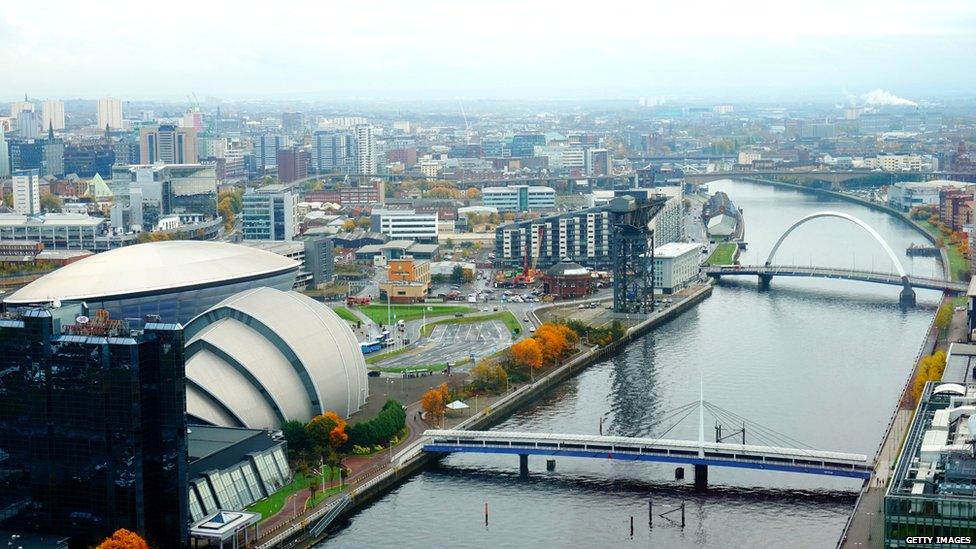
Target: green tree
x,y
295,435
51,202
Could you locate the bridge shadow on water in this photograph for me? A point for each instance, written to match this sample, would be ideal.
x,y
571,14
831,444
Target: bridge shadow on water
x,y
847,296
496,480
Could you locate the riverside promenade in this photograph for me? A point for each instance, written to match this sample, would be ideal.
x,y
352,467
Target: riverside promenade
x,y
383,472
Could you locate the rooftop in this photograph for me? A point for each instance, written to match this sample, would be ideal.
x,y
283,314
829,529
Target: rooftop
x,y
676,249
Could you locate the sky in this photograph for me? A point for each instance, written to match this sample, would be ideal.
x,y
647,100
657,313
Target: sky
x,y
478,49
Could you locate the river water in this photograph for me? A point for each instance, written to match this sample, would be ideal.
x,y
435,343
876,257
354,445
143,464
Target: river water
x,y
821,361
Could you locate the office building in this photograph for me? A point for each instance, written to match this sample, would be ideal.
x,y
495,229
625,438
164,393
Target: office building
x,y
53,156
175,280
56,231
292,164
193,118
27,192
26,155
168,144
292,123
269,214
52,115
405,224
906,195
300,359
598,162
89,159
334,151
93,434
519,198
314,254
932,491
676,266
231,468
266,148
366,152
109,113
4,156
523,144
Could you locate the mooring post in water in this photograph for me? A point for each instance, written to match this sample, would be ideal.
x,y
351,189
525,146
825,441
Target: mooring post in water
x,y
650,513
631,525
486,514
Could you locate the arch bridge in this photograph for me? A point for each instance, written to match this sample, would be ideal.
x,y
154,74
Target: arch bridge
x,y
902,278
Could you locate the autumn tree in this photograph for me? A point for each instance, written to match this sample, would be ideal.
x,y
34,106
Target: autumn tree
x,y
123,539
488,375
943,317
930,368
434,402
527,353
552,341
326,433
472,193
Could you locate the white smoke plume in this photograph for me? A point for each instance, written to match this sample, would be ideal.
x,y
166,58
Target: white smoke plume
x,y
884,98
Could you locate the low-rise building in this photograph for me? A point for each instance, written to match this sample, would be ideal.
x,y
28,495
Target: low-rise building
x,y
407,281
405,224
675,265
907,195
567,280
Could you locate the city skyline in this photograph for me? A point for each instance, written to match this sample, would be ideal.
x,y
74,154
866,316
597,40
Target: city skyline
x,y
501,50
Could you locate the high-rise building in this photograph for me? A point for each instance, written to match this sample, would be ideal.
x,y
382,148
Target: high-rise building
x,y
28,125
168,144
292,164
333,151
53,156
598,162
109,113
523,144
26,155
52,115
193,118
19,106
4,156
292,122
27,192
93,430
366,149
269,213
266,147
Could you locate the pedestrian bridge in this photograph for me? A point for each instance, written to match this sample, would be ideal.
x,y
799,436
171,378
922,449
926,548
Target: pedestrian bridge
x,y
769,271
698,453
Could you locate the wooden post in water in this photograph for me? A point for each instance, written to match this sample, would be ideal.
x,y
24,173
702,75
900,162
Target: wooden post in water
x,y
486,514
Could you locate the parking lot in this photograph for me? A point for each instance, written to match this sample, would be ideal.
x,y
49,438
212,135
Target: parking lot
x,y
454,342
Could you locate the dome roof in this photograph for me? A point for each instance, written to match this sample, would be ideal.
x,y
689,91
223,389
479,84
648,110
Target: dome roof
x,y
152,267
264,356
567,268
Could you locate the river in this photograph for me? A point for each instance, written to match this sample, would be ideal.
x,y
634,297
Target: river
x,y
821,361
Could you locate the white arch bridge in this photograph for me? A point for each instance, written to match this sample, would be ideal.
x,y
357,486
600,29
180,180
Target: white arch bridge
x,y
901,278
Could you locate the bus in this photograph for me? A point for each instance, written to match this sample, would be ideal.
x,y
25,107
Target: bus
x,y
370,346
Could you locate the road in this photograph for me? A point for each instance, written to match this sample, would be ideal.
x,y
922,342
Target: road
x,y
454,342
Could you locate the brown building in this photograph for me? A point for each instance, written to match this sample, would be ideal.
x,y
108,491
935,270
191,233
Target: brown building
x,y
407,280
292,164
407,157
168,144
567,280
347,196
956,207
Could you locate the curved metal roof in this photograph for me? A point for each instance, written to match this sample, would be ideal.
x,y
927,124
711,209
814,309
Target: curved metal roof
x,y
152,267
296,355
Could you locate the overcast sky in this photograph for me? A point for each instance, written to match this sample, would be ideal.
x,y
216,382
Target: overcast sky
x,y
486,49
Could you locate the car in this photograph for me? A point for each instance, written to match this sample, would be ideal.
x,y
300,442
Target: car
x,y
458,315
532,329
494,308
960,308
581,306
484,309
373,373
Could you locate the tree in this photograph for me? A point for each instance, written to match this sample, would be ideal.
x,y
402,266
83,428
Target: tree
x,y
8,200
930,368
226,210
295,435
348,225
434,402
457,274
943,317
326,432
314,484
488,375
472,193
51,202
527,353
363,222
552,341
123,539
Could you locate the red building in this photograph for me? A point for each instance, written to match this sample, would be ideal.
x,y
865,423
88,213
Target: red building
x,y
292,165
567,280
956,207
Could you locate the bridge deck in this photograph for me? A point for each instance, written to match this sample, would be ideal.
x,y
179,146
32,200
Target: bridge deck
x,y
719,454
829,272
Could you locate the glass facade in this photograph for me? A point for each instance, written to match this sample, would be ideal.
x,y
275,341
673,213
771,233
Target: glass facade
x,y
92,428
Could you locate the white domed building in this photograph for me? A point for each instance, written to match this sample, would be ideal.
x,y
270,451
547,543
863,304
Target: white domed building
x,y
265,356
176,280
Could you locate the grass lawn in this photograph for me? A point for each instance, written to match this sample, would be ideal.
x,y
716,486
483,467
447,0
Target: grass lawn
x,y
346,314
507,318
272,504
377,312
376,358
432,367
958,264
325,492
723,254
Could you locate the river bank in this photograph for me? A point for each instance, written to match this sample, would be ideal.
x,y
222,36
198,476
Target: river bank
x,y
413,460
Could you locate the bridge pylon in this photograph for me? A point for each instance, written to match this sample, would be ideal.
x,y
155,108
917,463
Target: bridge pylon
x,y
907,296
764,280
701,478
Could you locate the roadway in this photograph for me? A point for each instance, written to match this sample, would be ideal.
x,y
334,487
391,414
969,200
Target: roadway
x,y
452,343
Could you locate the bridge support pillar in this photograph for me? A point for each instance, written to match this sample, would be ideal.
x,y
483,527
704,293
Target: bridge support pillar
x,y
907,297
524,465
701,478
764,280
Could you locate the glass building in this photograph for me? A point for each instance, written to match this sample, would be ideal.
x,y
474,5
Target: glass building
x,y
933,489
92,426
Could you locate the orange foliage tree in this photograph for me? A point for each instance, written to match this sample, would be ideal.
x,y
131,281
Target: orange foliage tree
x,y
434,402
123,539
327,431
527,353
553,342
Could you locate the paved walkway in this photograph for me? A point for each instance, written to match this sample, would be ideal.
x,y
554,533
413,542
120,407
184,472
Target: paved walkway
x,y
867,524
